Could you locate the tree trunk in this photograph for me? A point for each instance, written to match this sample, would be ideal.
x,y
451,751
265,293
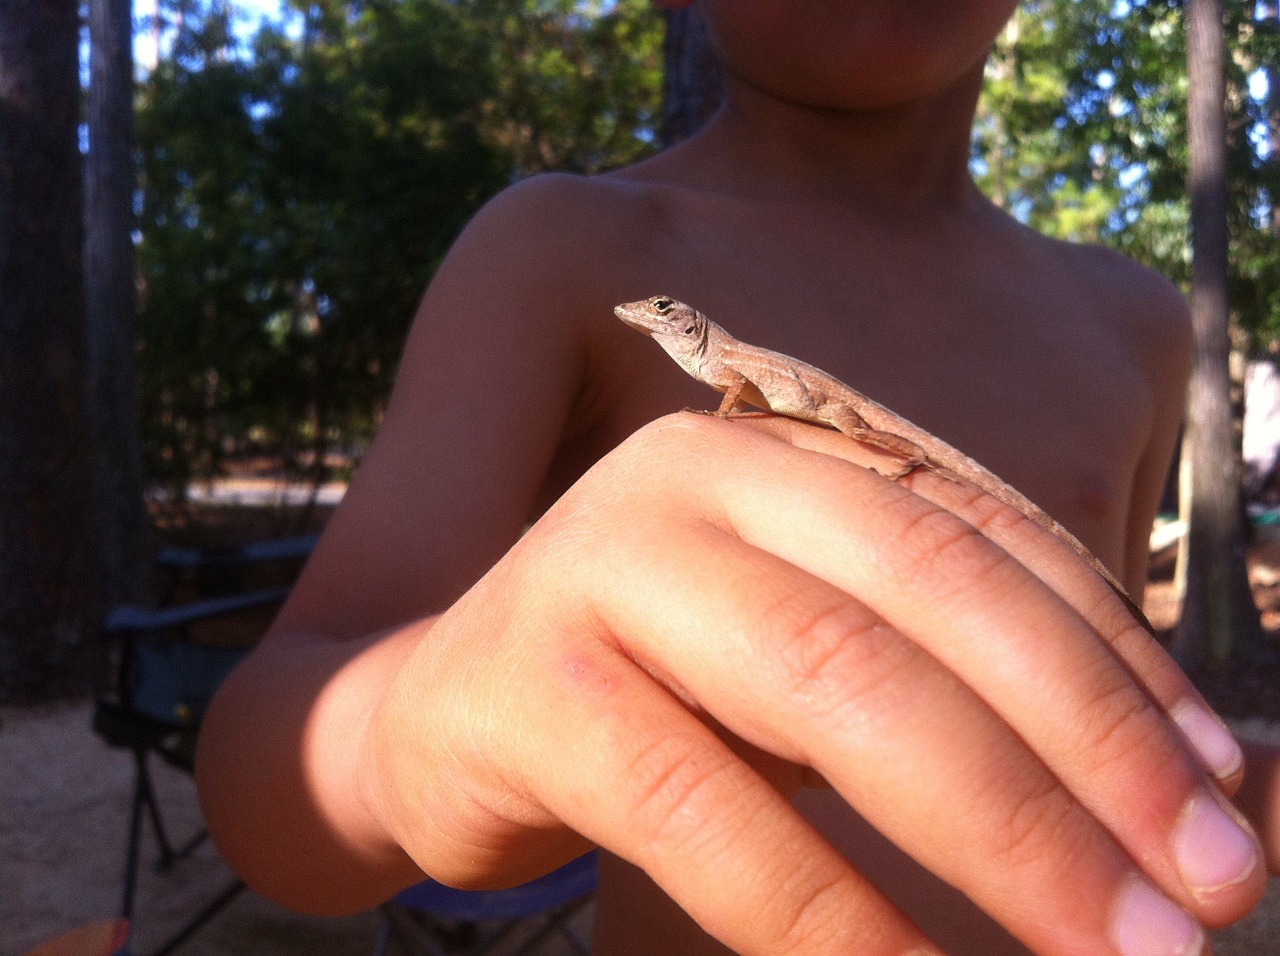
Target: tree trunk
x,y
691,77
47,579
1218,612
123,528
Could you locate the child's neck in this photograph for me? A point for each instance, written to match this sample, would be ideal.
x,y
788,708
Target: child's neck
x,y
914,156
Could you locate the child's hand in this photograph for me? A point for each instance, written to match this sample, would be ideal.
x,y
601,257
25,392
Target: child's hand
x,y
720,612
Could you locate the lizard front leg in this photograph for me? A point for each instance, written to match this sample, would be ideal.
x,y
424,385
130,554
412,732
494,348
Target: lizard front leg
x,y
728,405
732,398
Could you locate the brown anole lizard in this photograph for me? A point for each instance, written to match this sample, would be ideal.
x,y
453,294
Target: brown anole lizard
x,y
748,375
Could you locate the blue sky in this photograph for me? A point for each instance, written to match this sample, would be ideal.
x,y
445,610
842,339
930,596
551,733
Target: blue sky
x,y
252,12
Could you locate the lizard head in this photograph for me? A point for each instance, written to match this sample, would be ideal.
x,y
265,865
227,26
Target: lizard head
x,y
680,329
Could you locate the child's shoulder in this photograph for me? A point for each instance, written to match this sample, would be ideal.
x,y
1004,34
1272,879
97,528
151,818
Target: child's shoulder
x,y
1137,311
564,243
1143,290
562,208
1131,298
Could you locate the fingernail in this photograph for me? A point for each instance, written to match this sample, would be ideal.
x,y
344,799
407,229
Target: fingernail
x,y
1212,850
1146,923
1209,738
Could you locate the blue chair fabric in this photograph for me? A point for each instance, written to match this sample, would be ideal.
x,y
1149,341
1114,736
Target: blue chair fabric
x,y
448,920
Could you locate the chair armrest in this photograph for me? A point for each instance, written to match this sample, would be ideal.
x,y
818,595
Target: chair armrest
x,y
281,549
127,619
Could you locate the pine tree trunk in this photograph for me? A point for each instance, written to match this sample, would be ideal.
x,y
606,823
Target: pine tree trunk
x,y
47,561
1218,612
691,77
123,527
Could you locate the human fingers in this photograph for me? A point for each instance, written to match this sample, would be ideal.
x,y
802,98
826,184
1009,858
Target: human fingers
x,y
983,615
800,669
649,497
1080,586
659,788
1150,665
559,733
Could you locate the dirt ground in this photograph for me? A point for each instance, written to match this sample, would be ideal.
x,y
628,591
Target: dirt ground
x,y
64,803
64,810
65,796
64,799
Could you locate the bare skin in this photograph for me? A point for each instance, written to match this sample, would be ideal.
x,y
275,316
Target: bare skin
x,y
706,616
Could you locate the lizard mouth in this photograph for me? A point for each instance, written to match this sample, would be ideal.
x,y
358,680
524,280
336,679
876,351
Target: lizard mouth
x,y
635,318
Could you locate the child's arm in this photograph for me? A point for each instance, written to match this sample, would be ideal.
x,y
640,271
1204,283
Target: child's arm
x,y
443,693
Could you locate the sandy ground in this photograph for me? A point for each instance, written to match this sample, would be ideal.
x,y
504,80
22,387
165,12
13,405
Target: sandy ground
x,y
64,804
64,801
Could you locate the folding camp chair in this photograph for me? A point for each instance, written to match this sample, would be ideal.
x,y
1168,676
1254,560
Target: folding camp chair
x,y
435,920
156,681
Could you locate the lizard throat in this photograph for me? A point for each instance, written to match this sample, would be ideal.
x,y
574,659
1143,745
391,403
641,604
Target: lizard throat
x,y
689,357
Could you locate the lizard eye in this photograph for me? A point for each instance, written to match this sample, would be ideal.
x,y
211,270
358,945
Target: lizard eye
x,y
662,305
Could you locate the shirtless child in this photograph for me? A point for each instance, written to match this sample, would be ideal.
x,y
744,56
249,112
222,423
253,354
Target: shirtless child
x,y
708,620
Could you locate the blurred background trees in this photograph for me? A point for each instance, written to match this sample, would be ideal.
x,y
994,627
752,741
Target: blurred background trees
x,y
301,181
1083,133
301,169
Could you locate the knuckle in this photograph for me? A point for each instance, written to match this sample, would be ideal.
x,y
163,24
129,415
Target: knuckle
x,y
985,511
673,435
1122,730
1042,827
933,545
839,912
813,917
674,786
832,652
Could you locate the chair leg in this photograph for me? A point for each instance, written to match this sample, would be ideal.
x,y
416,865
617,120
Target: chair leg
x,y
401,926
143,799
146,793
383,939
146,802
557,921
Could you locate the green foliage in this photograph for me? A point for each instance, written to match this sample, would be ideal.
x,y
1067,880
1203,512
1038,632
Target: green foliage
x,y
1082,133
298,191
577,83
